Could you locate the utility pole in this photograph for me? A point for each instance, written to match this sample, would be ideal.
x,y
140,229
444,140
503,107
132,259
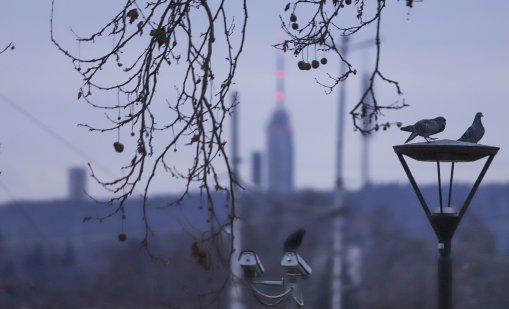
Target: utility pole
x,y
235,291
366,125
337,224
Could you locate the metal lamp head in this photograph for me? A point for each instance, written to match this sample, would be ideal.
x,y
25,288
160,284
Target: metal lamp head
x,y
446,151
445,220
251,264
294,264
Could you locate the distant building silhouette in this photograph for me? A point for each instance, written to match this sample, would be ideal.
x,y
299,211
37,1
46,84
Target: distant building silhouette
x,y
256,172
77,183
280,140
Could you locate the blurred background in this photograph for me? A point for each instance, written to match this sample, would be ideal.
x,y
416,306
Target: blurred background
x,y
450,60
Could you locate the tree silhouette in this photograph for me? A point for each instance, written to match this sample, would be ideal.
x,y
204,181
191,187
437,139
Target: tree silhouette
x,y
173,41
175,88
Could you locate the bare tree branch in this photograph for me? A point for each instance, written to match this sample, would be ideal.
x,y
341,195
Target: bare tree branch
x,y
321,24
9,46
179,36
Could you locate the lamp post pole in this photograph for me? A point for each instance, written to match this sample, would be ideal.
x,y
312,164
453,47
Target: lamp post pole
x,y
444,275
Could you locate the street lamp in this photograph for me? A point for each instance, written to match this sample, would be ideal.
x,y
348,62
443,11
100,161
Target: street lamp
x,y
445,219
288,288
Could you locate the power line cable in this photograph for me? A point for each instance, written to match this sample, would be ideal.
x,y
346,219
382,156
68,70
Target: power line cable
x,y
53,133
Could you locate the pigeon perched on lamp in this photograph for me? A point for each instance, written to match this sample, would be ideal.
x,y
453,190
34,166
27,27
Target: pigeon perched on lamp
x,y
425,128
294,240
475,132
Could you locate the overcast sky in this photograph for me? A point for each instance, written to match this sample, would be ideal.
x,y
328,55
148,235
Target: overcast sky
x,y
449,57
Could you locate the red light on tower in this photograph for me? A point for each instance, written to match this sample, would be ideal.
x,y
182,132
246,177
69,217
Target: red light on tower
x,y
280,74
280,96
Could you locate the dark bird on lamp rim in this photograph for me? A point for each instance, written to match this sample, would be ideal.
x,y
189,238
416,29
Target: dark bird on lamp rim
x,y
425,128
294,240
475,132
